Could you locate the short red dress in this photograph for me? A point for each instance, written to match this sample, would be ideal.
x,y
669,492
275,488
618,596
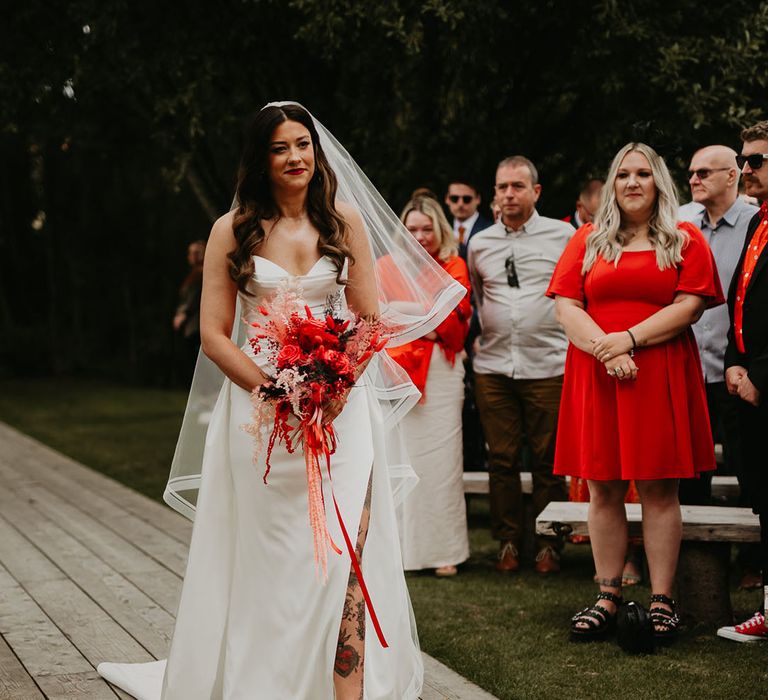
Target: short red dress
x,y
653,427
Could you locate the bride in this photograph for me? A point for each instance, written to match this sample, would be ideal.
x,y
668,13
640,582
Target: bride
x,y
254,619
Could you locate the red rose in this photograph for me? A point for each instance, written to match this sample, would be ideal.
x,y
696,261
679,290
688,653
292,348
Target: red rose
x,y
338,362
288,355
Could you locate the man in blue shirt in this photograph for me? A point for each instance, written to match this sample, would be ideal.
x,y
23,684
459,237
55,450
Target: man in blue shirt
x,y
713,177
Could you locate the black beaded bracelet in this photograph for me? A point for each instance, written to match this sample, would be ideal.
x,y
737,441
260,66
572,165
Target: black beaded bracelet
x,y
634,343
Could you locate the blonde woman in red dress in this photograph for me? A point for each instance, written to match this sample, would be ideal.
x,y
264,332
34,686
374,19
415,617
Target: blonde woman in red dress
x,y
433,520
627,290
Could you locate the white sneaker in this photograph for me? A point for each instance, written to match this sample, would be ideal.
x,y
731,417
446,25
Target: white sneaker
x,y
753,630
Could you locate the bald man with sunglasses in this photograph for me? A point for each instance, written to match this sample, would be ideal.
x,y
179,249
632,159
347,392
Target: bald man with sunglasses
x,y
723,218
713,177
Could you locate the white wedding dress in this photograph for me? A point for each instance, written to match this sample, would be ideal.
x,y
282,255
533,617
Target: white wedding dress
x,y
254,620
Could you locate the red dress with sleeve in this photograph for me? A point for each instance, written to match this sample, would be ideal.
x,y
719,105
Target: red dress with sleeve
x,y
653,427
414,357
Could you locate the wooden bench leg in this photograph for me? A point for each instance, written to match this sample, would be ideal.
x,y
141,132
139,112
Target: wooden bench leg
x,y
703,585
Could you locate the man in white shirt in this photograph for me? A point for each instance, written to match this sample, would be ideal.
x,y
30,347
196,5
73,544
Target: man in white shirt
x,y
520,360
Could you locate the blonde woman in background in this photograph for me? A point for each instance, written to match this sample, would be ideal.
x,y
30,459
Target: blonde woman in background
x,y
433,521
627,289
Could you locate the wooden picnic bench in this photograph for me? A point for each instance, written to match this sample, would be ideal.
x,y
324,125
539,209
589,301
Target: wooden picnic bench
x,y
702,575
725,489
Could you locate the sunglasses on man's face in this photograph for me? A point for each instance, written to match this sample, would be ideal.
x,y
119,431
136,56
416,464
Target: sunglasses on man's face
x,y
704,173
454,198
755,161
509,266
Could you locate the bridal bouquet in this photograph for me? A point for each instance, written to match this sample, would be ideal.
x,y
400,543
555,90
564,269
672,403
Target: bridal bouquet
x,y
316,359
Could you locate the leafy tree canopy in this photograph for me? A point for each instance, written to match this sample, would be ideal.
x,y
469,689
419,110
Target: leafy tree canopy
x,y
121,121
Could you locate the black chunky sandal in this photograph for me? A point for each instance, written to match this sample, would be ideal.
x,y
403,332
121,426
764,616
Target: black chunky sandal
x,y
598,620
665,623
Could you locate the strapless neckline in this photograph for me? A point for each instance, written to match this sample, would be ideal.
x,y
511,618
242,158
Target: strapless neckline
x,y
290,274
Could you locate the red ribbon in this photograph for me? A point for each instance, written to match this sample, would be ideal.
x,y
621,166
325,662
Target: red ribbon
x,y
322,432
320,439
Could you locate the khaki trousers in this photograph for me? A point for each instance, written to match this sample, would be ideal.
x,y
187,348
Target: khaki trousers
x,y
513,411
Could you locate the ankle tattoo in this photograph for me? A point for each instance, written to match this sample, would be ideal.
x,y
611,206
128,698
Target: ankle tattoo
x,y
610,582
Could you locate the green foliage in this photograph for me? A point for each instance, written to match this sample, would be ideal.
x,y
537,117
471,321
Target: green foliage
x,y
131,115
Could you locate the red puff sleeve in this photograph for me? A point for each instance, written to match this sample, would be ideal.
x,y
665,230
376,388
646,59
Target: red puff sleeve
x,y
568,279
697,272
452,332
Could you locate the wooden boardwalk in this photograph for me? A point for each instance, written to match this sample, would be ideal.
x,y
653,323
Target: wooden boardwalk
x,y
90,571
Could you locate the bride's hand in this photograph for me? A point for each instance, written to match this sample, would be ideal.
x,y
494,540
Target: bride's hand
x,y
331,409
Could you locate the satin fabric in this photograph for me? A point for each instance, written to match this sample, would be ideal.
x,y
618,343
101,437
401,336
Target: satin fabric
x,y
254,619
433,519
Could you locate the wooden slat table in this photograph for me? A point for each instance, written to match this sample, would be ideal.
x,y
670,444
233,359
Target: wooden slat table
x,y
90,571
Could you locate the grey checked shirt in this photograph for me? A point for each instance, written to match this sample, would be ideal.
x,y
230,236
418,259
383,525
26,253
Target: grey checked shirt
x,y
726,239
520,337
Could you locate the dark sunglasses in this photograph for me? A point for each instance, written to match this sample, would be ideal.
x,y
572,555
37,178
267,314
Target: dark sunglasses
x,y
509,266
454,198
755,161
704,173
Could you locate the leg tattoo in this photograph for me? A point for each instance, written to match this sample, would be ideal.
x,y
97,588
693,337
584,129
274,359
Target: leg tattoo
x,y
350,650
347,657
612,582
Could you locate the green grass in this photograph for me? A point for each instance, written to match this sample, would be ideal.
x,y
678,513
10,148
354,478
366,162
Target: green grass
x,y
125,432
510,635
507,634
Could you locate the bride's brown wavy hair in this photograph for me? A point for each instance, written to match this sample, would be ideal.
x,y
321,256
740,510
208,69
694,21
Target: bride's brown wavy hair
x,y
255,203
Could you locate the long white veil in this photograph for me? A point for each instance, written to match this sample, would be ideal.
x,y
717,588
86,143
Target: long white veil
x,y
415,295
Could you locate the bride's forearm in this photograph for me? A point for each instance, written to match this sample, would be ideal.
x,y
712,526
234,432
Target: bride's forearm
x,y
235,364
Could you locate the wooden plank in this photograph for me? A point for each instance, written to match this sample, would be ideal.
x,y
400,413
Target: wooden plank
x,y
15,682
125,603
441,683
153,512
477,482
88,685
54,663
723,487
156,581
37,642
700,523
149,539
97,637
